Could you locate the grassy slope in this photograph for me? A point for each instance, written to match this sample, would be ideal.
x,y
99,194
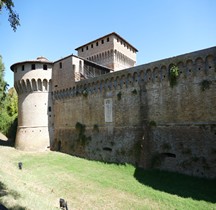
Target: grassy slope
x,y
46,177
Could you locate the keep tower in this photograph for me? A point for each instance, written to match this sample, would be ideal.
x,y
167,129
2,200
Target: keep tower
x,y
32,81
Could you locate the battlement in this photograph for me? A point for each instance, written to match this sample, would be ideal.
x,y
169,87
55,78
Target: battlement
x,y
197,66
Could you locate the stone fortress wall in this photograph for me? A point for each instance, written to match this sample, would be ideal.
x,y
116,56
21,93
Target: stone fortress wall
x,y
135,116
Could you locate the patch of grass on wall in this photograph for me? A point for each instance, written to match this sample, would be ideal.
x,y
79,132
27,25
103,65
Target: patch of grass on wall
x,y
166,146
134,92
205,84
119,95
173,75
152,123
82,138
96,128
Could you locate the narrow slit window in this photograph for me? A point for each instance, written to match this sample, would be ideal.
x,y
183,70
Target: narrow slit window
x,y
23,67
60,65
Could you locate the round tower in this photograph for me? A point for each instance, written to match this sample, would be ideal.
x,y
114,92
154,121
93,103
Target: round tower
x,y
32,81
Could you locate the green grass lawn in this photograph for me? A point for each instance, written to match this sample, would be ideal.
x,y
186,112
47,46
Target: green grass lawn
x,y
47,177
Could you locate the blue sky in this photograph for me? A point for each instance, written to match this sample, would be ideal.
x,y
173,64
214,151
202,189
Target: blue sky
x,y
157,28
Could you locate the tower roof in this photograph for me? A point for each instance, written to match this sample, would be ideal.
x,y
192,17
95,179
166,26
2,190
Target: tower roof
x,y
39,59
113,33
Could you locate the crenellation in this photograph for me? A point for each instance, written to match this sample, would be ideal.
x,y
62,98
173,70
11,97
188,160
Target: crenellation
x,y
158,73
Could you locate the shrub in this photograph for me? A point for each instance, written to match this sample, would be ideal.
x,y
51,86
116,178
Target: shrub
x,y
173,75
205,84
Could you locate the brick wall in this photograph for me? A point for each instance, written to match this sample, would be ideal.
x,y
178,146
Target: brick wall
x,y
153,124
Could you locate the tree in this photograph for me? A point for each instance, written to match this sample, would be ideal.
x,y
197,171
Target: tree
x,y
8,106
3,84
13,16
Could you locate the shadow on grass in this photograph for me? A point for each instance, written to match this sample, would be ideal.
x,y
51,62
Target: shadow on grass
x,y
5,192
178,184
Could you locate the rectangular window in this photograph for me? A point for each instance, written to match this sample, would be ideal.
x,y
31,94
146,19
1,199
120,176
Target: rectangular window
x,y
96,43
102,41
86,47
23,67
82,49
91,45
33,66
44,67
49,109
107,39
60,65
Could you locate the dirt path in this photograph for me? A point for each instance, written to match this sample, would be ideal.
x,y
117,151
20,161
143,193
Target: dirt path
x,y
3,137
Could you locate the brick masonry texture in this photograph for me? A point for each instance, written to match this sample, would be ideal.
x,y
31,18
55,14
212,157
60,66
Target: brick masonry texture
x,y
154,124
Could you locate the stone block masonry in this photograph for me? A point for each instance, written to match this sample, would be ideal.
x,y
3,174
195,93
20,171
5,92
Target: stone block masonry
x,y
135,116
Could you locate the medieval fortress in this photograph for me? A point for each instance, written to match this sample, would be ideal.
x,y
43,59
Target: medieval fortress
x,y
99,105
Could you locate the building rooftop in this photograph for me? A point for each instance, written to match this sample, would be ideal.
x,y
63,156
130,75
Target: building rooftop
x,y
39,59
113,33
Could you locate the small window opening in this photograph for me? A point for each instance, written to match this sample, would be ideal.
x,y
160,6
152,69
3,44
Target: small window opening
x,y
102,41
96,43
107,39
33,66
91,45
23,67
107,149
86,47
82,49
49,109
44,67
60,65
167,154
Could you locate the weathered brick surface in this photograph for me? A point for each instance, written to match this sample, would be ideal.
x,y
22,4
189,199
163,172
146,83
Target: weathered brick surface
x,y
184,138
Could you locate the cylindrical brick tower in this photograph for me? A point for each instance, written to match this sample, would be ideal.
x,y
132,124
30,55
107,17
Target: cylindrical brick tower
x,y
32,81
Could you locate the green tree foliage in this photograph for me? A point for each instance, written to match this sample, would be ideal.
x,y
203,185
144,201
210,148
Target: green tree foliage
x,y
173,75
3,84
8,105
13,16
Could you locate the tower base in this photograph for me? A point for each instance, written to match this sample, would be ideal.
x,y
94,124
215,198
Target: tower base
x,y
33,138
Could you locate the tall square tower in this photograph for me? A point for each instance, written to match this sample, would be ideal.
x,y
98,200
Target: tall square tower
x,y
111,51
